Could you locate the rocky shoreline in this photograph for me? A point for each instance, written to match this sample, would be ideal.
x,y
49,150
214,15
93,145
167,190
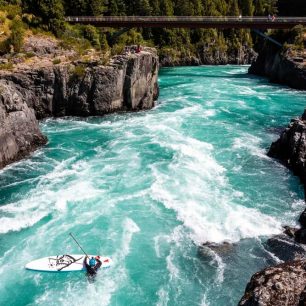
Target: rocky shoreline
x,y
290,149
285,284
77,88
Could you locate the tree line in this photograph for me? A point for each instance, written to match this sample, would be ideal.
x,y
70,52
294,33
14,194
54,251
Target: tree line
x,y
49,15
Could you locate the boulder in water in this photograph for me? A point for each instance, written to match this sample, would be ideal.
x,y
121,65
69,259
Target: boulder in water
x,y
285,248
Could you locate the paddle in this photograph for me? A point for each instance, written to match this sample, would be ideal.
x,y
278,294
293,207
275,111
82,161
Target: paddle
x,y
78,244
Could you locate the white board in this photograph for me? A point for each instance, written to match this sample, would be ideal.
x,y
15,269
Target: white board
x,y
64,263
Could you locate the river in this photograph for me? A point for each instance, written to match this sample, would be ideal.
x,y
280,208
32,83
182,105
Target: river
x,y
148,188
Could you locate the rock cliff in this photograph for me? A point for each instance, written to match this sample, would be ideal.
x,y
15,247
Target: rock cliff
x,y
284,284
280,66
81,88
212,56
290,148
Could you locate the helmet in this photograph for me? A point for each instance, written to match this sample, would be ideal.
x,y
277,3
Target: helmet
x,y
92,262
97,257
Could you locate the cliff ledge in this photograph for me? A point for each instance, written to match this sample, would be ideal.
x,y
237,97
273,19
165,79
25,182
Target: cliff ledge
x,y
43,87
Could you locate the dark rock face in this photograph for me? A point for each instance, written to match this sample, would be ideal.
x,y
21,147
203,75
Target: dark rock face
x,y
285,248
284,284
243,56
206,56
129,83
279,67
290,148
19,131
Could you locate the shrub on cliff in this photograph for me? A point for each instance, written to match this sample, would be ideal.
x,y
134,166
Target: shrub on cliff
x,y
77,73
14,42
17,34
92,35
11,10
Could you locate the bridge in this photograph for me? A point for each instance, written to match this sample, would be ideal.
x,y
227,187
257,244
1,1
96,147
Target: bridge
x,y
222,22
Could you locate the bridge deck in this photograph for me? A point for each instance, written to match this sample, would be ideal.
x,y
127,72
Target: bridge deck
x,y
189,21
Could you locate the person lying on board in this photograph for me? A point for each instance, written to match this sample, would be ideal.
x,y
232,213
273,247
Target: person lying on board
x,y
93,266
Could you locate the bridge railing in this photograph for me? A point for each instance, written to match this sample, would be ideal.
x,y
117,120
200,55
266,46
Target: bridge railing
x,y
209,19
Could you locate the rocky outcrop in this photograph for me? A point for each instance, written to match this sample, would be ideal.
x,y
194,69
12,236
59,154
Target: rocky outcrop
x,y
212,56
81,88
280,66
284,284
19,131
290,148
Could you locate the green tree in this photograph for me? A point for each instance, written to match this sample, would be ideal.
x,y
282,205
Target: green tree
x,y
116,7
166,8
247,7
91,33
233,8
51,12
259,8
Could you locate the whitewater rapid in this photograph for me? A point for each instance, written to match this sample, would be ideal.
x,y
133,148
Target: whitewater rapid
x,y
148,189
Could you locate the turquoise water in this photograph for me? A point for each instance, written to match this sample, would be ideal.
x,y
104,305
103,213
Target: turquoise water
x,y
148,189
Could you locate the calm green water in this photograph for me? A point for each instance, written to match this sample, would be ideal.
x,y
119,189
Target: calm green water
x,y
147,189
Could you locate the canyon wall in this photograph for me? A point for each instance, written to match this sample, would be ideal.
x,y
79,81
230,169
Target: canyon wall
x,y
76,88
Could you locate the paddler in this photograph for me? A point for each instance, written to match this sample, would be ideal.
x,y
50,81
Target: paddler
x,y
93,266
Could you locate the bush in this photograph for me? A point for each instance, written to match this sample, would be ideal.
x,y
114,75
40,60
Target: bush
x,y
17,34
7,66
72,39
91,34
77,73
103,42
11,10
56,61
29,54
117,49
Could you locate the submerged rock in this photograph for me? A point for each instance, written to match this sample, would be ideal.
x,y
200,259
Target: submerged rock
x,y
284,284
32,92
219,248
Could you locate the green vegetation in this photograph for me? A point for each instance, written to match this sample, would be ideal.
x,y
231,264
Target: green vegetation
x,y
6,66
47,16
56,61
77,73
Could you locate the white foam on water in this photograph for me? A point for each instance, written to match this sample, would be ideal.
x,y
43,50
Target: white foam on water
x,y
196,188
204,301
209,113
81,293
130,228
20,222
163,297
250,143
173,270
47,198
